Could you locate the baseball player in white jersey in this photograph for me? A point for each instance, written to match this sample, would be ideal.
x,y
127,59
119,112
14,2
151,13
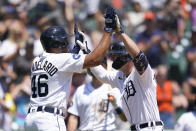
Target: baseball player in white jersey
x,y
186,122
137,84
92,107
51,76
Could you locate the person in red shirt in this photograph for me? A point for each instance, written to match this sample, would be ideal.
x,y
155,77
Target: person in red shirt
x,y
169,97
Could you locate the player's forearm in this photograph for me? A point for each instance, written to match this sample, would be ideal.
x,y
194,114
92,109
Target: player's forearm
x,y
130,45
139,59
123,117
96,57
102,47
104,76
98,73
72,123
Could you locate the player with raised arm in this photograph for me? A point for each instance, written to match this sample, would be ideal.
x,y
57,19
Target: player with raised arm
x,y
95,106
51,75
137,84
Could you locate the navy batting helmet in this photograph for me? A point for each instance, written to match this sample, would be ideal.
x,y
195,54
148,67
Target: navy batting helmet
x,y
54,37
117,48
123,56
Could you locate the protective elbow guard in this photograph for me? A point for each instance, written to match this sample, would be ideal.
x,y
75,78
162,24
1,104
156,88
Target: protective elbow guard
x,y
140,61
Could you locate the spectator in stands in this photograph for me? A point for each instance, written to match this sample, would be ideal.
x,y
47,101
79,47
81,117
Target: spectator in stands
x,y
54,13
175,56
20,93
3,31
4,107
135,19
10,47
191,51
152,41
189,87
169,97
20,88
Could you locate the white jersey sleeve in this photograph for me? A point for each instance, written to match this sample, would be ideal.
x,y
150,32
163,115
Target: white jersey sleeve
x,y
185,122
147,78
180,125
109,77
70,62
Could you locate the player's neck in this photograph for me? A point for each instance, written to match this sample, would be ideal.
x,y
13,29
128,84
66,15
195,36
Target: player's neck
x,y
56,50
127,69
96,83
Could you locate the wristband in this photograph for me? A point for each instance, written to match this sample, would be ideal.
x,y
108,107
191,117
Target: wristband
x,y
108,30
118,110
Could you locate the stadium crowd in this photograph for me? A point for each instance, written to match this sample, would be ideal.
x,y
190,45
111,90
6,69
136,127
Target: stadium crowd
x,y
164,29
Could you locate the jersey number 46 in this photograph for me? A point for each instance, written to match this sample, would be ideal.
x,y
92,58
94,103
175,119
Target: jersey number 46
x,y
39,88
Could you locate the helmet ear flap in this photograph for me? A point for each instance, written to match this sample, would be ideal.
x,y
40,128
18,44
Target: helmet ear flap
x,y
44,42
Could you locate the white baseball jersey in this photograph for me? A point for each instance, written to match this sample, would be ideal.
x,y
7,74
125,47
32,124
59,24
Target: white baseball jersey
x,y
186,122
51,78
138,93
93,107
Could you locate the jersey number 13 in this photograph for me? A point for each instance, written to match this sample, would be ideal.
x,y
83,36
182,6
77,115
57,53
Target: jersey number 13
x,y
39,88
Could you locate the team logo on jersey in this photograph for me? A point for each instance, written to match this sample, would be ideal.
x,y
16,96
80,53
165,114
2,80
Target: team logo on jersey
x,y
76,56
103,105
130,89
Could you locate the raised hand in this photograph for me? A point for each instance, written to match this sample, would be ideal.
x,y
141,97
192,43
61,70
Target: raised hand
x,y
118,28
110,22
83,43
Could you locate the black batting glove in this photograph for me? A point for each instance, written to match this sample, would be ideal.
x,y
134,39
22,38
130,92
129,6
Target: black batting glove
x,y
110,22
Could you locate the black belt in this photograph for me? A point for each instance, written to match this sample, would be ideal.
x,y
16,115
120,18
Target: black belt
x,y
46,109
144,125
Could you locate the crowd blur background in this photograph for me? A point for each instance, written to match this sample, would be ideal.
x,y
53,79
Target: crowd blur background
x,y
164,29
